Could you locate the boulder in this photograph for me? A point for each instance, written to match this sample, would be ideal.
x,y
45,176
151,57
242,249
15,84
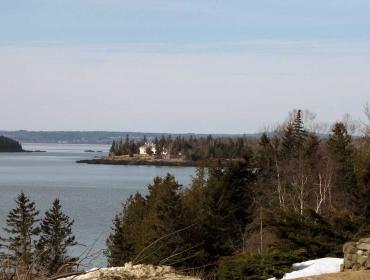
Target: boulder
x,y
349,248
363,246
364,240
357,255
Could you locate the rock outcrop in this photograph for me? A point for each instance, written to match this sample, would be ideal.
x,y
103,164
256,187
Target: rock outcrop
x,y
357,255
132,272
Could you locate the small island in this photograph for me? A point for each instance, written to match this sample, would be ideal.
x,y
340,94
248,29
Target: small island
x,y
179,151
8,145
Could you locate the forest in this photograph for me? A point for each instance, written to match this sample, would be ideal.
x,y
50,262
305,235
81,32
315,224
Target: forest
x,y
299,193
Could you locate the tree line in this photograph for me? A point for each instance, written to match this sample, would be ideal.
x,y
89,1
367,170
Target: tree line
x,y
34,247
294,195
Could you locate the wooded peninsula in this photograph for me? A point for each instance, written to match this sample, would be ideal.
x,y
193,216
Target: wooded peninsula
x,y
8,145
176,151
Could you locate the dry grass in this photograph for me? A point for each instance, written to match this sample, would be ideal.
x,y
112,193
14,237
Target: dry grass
x,y
355,275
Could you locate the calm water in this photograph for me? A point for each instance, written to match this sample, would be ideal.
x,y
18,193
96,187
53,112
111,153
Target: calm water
x,y
90,194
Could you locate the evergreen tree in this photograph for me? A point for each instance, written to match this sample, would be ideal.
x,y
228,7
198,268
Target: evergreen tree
x,y
229,205
317,235
265,158
126,239
341,153
117,244
298,128
112,149
195,214
288,142
366,196
310,149
126,146
294,138
165,221
55,238
22,229
339,142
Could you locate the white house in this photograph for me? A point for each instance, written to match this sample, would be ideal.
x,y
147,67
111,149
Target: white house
x,y
144,148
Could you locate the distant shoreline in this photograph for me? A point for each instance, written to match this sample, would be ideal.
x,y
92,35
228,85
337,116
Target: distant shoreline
x,y
103,137
23,151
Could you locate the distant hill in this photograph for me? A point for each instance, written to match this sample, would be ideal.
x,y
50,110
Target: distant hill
x,y
8,145
94,137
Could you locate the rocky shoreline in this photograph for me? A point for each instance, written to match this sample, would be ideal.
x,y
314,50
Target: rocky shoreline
x,y
152,161
139,162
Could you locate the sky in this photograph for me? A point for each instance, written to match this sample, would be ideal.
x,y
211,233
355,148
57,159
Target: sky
x,y
205,66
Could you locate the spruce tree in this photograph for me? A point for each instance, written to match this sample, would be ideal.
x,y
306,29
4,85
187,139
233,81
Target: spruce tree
x,y
229,205
126,239
164,219
22,229
298,128
294,138
366,196
342,155
55,239
125,146
112,149
265,158
119,247
288,142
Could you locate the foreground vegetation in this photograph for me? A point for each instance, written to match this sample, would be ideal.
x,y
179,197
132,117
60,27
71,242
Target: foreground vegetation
x,y
294,196
34,248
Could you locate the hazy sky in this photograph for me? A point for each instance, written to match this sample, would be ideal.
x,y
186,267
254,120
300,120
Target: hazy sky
x,y
180,66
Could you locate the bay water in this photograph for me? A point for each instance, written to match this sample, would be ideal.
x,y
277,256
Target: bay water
x,y
90,194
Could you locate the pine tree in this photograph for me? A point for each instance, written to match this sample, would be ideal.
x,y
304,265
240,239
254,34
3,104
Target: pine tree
x,y
22,229
55,238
